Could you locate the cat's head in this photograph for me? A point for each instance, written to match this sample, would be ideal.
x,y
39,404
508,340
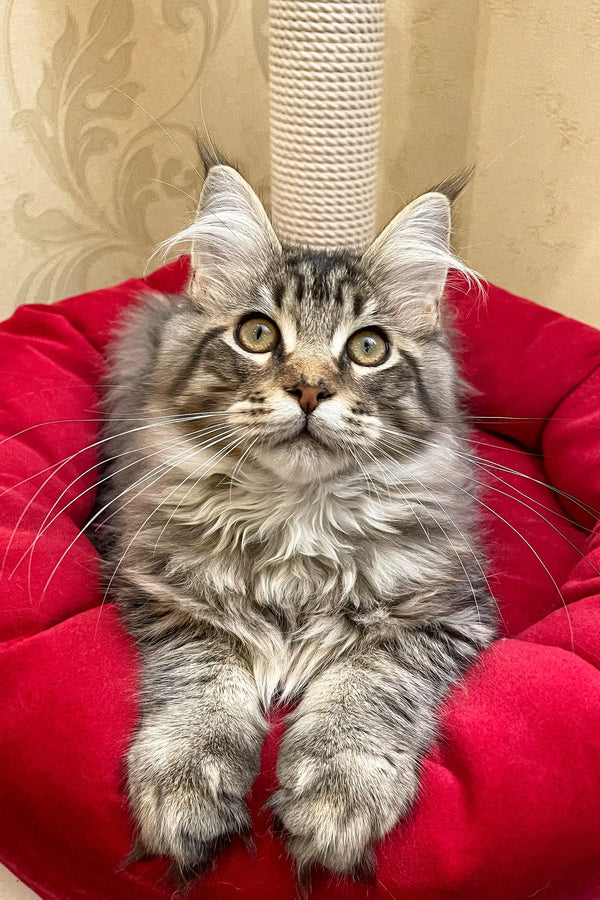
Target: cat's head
x,y
322,359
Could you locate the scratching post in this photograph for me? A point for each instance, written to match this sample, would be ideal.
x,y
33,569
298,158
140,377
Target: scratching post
x,y
325,70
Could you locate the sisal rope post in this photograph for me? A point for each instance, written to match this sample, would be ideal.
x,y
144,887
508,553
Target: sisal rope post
x,y
325,72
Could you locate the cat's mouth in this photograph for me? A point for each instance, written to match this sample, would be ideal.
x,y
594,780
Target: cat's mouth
x,y
305,431
308,434
305,454
305,435
301,437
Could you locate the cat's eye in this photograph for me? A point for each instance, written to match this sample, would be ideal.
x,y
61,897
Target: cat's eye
x,y
257,334
368,347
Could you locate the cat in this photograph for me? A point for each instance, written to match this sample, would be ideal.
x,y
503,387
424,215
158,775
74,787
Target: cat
x,y
292,519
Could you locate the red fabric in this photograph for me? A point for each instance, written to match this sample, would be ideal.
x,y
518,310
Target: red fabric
x,y
510,799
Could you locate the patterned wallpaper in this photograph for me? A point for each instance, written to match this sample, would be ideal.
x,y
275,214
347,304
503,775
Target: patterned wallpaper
x,y
103,101
100,101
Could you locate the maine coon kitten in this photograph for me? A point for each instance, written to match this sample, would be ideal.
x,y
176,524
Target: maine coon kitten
x,y
292,519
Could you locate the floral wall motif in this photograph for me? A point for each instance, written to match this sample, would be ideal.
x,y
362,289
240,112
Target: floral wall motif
x,y
105,101
101,101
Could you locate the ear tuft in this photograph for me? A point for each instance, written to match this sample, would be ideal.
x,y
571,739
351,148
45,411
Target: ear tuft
x,y
410,259
232,243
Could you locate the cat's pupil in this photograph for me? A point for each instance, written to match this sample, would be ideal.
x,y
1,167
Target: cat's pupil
x,y
368,344
259,331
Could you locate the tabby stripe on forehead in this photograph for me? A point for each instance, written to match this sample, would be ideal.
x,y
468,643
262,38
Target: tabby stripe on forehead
x,y
190,366
358,303
421,389
300,287
278,292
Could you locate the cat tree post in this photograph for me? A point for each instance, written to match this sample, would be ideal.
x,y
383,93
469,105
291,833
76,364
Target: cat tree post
x,y
325,71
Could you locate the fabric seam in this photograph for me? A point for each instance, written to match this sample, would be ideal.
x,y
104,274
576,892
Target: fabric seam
x,y
565,397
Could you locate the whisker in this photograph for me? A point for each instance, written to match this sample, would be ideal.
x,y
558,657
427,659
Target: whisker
x,y
480,443
163,501
580,504
395,479
542,517
518,533
169,469
160,125
238,465
536,554
585,507
565,518
94,518
175,188
465,539
164,420
166,468
164,446
483,463
366,474
66,461
219,456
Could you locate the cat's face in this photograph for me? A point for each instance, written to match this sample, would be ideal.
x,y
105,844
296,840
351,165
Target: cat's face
x,y
321,360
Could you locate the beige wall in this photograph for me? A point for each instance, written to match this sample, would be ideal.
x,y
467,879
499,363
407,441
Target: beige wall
x,y
90,183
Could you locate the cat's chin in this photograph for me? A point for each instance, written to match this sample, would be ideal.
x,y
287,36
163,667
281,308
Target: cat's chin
x,y
303,461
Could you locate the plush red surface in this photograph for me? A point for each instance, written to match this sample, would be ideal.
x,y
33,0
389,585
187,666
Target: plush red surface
x,y
510,798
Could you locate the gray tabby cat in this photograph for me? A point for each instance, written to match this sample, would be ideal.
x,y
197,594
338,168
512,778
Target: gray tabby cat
x,y
300,526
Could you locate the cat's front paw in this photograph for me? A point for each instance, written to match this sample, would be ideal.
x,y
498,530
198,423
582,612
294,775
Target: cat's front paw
x,y
334,809
185,810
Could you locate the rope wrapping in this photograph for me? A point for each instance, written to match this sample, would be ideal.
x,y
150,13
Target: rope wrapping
x,y
325,71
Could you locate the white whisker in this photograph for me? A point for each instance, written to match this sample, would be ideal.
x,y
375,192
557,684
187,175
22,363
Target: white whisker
x,y
512,528
95,518
164,446
161,504
61,464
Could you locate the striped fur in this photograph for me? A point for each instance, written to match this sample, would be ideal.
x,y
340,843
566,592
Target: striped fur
x,y
260,554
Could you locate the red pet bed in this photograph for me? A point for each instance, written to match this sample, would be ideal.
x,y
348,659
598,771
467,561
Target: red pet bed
x,y
510,799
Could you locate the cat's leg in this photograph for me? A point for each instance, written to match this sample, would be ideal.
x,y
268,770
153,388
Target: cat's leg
x,y
349,761
196,751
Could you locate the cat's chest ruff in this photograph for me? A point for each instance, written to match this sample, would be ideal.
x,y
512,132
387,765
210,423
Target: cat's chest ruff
x,y
296,543
296,521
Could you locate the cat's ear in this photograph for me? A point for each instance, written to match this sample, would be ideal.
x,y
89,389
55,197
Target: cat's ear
x,y
232,241
409,261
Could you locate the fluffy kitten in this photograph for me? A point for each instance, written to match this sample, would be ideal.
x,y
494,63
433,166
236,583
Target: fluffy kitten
x,y
292,519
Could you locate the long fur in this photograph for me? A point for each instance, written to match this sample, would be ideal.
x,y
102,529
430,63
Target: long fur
x,y
261,554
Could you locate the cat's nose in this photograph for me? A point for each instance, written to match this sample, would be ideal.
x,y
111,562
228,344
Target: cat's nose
x,y
309,395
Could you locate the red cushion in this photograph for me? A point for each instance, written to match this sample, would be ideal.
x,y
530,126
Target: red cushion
x,y
510,799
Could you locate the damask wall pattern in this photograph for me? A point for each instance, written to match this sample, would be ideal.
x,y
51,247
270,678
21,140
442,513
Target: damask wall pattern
x,y
101,102
104,104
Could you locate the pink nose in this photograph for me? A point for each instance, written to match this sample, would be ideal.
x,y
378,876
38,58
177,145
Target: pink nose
x,y
309,395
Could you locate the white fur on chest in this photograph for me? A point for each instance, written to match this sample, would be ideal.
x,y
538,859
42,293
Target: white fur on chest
x,y
303,546
307,551
296,544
